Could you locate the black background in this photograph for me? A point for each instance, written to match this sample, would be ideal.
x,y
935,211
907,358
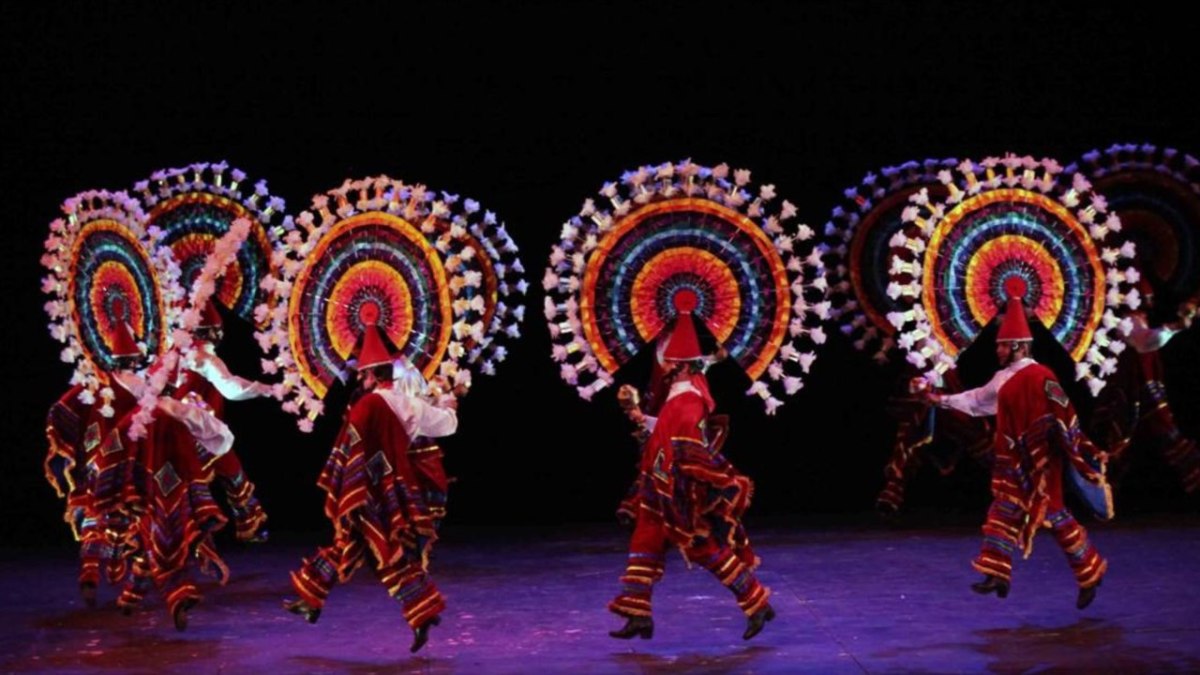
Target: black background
x,y
529,108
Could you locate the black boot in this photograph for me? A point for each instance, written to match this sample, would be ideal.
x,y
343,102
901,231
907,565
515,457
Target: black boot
x,y
180,615
421,633
756,621
991,584
635,626
1086,596
87,589
297,606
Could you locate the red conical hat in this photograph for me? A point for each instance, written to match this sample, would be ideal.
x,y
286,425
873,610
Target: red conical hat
x,y
123,343
373,351
1014,327
682,343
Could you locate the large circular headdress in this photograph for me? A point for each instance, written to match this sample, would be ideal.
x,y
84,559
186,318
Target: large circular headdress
x,y
683,229
418,266
858,250
195,206
1003,219
488,258
105,284
1156,193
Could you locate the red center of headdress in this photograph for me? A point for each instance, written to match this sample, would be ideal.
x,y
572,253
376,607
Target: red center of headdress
x,y
118,309
1014,287
685,301
368,314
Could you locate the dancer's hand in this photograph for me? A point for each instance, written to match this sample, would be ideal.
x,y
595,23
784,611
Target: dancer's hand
x,y
627,397
1187,314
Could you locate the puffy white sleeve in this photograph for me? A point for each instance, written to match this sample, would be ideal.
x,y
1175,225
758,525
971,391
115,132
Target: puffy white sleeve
x,y
1145,339
431,420
230,386
210,432
979,402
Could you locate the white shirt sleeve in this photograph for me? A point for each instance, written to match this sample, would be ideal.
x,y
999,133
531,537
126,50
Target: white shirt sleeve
x,y
230,386
210,432
432,421
1145,339
419,417
979,402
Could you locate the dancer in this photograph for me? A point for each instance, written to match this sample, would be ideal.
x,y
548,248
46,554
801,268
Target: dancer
x,y
206,377
1134,407
1037,441
688,494
373,495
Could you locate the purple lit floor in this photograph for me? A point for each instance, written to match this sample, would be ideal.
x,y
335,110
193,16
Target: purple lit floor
x,y
859,599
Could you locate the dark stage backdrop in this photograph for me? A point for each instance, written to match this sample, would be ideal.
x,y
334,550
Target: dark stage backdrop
x,y
529,108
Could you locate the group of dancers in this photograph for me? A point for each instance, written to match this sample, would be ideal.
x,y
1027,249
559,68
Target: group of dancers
x,y
406,293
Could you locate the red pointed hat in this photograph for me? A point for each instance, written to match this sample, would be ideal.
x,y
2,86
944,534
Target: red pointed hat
x,y
682,343
1014,327
123,343
209,316
373,351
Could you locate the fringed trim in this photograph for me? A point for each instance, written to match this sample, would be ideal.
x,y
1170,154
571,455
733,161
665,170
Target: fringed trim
x,y
211,562
184,592
629,605
249,523
892,494
172,542
424,603
89,571
312,591
755,600
1091,574
992,565
137,585
59,450
908,448
349,509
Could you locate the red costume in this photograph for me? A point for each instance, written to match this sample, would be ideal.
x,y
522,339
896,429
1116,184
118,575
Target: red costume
x,y
1037,440
210,382
177,514
688,494
918,427
375,500
90,465
1133,408
424,453
180,519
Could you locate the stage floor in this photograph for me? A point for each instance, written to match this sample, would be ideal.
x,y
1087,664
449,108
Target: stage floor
x,y
857,599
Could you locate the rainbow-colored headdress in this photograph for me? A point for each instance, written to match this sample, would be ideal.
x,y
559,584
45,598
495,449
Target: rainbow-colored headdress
x,y
1156,193
858,250
440,277
1001,219
106,285
192,207
680,228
